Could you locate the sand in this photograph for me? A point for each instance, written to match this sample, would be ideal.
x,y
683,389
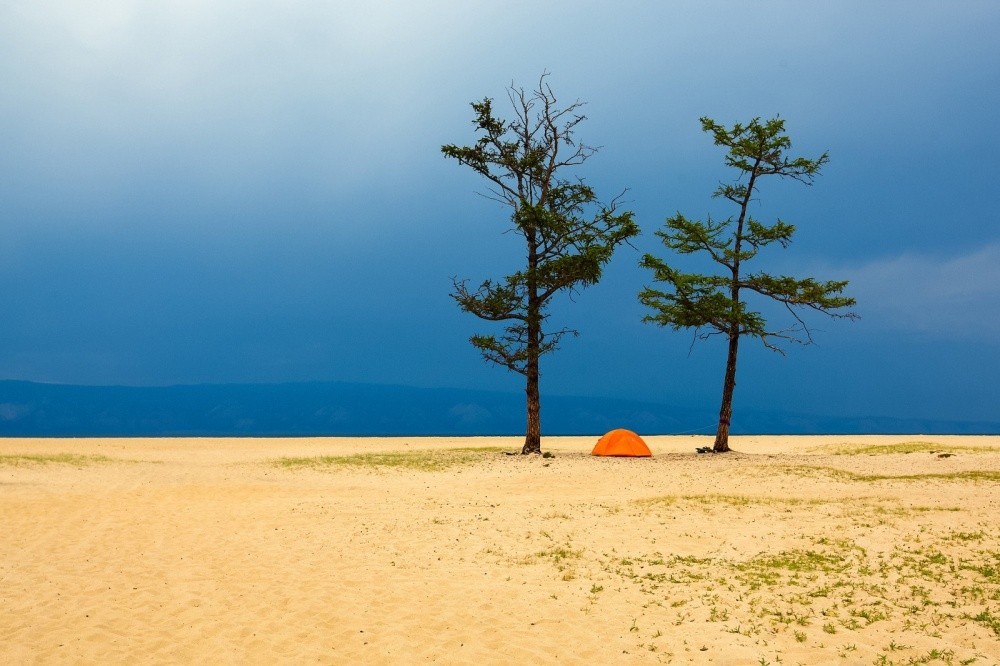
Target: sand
x,y
209,551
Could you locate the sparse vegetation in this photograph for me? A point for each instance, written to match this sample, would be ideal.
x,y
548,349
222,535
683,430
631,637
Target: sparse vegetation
x,y
939,574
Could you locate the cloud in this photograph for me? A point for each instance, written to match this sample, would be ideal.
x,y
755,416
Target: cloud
x,y
951,297
124,102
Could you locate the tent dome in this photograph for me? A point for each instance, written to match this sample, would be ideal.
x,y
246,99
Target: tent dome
x,y
621,442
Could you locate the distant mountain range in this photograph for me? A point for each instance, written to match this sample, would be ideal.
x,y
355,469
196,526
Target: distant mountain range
x,y
334,408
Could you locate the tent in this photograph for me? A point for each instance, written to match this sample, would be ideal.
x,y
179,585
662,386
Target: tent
x,y
621,442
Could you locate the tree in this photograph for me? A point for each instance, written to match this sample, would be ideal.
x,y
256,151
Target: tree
x,y
569,235
714,304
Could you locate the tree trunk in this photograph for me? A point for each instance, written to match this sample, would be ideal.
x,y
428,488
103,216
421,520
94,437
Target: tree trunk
x,y
533,429
533,432
728,385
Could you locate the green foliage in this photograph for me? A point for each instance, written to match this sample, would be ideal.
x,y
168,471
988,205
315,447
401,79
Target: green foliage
x,y
716,302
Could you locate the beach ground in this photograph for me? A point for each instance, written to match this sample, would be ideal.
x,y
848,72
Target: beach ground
x,y
791,550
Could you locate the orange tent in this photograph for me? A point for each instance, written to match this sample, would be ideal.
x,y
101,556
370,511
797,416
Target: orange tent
x,y
621,442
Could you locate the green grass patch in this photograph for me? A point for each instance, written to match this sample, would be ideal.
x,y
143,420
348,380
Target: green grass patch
x,y
989,620
989,568
901,447
23,460
845,475
424,461
560,553
806,561
727,501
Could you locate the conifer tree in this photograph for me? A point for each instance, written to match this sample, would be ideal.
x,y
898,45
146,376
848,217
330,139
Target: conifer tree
x,y
569,235
715,304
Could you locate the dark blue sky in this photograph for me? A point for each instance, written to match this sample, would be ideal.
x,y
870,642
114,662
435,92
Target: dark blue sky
x,y
209,191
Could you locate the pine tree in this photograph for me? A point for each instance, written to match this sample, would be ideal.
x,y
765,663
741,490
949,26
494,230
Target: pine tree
x,y
569,236
715,304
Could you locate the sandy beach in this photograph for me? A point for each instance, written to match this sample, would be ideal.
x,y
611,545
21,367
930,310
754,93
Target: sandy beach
x,y
791,550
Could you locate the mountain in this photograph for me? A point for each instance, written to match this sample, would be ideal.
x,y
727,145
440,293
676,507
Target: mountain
x,y
335,408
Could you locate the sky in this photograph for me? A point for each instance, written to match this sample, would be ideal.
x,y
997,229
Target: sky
x,y
206,191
